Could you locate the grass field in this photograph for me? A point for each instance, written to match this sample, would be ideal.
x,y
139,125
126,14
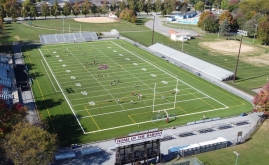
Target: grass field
x,y
249,76
73,91
255,151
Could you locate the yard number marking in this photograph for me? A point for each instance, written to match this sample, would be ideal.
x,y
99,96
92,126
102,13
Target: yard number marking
x,y
73,77
153,75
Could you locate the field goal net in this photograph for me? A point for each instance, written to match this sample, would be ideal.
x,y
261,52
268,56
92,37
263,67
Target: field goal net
x,y
159,117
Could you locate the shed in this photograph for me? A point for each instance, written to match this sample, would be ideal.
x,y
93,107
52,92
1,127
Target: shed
x,y
182,36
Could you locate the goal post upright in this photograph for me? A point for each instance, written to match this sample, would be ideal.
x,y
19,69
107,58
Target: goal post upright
x,y
153,97
175,95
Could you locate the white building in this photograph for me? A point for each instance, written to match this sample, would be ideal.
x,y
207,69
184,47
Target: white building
x,y
182,36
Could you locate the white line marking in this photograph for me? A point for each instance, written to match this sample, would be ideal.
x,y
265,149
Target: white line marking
x,y
49,77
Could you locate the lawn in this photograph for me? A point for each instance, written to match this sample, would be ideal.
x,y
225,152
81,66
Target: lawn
x,y
249,76
255,151
75,91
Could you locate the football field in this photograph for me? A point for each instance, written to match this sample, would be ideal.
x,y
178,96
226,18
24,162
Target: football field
x,y
112,84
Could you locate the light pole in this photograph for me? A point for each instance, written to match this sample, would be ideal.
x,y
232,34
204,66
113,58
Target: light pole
x,y
153,30
255,32
237,154
219,31
242,33
63,25
184,39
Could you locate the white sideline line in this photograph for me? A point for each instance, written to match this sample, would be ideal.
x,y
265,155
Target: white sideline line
x,y
49,77
62,91
95,78
140,107
169,74
217,109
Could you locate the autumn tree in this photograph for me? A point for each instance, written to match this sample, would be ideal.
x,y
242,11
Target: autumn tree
x,y
45,10
128,15
226,15
263,31
86,8
261,100
55,10
30,145
75,9
67,9
202,17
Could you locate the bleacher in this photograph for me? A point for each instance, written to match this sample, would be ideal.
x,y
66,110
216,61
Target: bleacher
x,y
5,81
68,37
202,66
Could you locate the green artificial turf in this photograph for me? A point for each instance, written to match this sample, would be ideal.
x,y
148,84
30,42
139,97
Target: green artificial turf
x,y
84,108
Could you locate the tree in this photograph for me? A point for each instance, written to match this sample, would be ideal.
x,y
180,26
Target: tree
x,y
141,5
30,145
158,6
45,10
33,12
75,9
104,7
86,8
199,6
122,5
2,12
226,15
55,10
184,8
67,9
202,17
250,27
261,100
94,9
224,4
211,24
148,7
240,19
24,12
263,31
224,27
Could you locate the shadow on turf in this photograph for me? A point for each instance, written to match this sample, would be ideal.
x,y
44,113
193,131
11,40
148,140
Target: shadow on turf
x,y
48,103
67,128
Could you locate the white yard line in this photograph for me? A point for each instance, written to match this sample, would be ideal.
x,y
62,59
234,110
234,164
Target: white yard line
x,y
49,77
128,72
95,78
111,128
170,74
136,108
62,91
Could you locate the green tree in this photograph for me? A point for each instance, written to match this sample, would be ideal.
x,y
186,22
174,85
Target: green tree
x,y
33,12
45,10
224,4
55,10
148,7
263,31
122,5
158,6
133,5
240,19
217,3
67,9
27,4
75,9
94,9
211,24
141,5
224,27
30,145
199,6
24,12
104,8
2,12
86,8
250,26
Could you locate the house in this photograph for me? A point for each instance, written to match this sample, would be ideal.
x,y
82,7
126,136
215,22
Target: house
x,y
181,36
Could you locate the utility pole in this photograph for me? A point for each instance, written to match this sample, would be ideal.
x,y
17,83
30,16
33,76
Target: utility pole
x,y
242,33
255,32
153,30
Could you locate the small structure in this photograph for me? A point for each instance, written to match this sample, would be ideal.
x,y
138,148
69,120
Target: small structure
x,y
182,36
112,14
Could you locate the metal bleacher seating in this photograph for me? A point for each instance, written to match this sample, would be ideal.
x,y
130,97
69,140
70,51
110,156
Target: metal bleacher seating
x,y
185,134
193,62
243,122
5,81
68,37
222,126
